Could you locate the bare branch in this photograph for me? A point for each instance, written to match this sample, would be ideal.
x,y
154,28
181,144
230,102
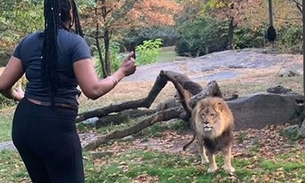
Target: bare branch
x,y
165,115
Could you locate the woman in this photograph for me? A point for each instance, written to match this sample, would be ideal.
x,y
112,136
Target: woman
x,y
55,61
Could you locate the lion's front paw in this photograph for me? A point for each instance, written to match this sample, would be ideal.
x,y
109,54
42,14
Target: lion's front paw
x,y
212,169
229,169
204,161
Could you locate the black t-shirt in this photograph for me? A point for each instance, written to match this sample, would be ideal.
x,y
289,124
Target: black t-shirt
x,y
71,48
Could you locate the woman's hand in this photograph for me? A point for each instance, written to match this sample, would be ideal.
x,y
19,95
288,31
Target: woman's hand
x,y
19,93
11,74
128,66
91,85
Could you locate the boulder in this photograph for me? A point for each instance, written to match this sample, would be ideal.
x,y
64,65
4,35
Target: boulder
x,y
290,71
261,109
302,130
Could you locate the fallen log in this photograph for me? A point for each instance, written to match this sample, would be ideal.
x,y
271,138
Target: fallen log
x,y
144,102
165,115
182,111
180,81
122,117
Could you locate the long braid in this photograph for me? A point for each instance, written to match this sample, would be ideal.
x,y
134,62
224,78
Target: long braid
x,y
49,53
56,12
78,28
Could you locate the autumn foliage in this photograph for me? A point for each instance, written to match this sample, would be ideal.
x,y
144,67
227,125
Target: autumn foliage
x,y
131,14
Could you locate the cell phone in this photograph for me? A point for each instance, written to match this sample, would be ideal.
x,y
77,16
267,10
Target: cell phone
x,y
133,49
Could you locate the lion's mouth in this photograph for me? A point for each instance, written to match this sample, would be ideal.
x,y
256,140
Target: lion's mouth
x,y
207,128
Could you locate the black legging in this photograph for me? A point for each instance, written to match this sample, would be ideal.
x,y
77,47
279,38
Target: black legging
x,y
48,143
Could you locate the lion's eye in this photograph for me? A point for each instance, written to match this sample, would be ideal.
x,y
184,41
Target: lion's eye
x,y
212,114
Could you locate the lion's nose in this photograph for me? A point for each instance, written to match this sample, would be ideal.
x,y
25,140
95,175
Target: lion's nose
x,y
205,122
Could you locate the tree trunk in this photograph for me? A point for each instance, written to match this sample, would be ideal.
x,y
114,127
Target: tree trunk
x,y
107,51
99,50
231,34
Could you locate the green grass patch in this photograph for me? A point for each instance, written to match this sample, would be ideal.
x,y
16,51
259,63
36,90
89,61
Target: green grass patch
x,y
12,168
140,165
5,127
287,166
167,54
161,167
157,166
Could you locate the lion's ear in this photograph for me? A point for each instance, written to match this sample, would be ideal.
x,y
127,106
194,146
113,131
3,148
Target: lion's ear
x,y
219,106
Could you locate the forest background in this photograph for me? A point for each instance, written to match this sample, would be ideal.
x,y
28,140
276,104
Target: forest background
x,y
194,27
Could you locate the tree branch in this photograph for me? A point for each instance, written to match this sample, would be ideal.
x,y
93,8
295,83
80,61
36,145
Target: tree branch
x,y
117,134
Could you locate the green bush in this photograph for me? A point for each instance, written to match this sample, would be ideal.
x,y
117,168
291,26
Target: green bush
x,y
168,34
148,52
201,36
244,37
115,58
290,38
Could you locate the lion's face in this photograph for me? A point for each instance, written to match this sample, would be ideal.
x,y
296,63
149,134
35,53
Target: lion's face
x,y
212,116
207,117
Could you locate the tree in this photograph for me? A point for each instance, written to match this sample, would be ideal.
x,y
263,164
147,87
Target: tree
x,y
298,5
231,11
112,17
17,18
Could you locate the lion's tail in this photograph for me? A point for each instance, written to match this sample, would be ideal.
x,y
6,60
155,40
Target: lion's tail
x,y
189,143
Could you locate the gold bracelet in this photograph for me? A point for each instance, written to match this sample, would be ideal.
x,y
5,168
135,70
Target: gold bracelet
x,y
114,80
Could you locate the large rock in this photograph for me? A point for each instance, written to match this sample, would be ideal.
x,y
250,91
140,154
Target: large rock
x,y
261,109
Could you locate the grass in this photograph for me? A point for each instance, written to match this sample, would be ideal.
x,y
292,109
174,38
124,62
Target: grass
x,y
129,162
5,127
168,54
153,166
12,168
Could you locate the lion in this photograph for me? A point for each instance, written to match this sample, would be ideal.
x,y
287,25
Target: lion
x,y
213,125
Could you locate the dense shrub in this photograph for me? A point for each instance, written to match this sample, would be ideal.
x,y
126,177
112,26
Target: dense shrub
x,y
183,48
244,37
168,34
148,51
115,58
205,35
201,36
290,38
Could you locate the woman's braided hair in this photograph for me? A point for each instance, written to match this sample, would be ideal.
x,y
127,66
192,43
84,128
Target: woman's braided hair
x,y
56,12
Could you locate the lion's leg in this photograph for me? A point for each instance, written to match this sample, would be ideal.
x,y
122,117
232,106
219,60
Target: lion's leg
x,y
202,152
228,156
204,158
213,165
